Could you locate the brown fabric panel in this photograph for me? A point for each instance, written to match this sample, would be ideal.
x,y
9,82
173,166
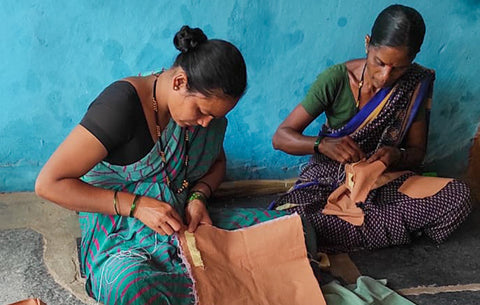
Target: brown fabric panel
x,y
422,187
263,264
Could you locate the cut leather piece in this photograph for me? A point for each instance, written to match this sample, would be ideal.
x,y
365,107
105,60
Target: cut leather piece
x,y
262,264
422,187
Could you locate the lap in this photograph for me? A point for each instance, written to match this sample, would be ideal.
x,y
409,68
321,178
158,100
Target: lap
x,y
148,267
390,216
141,276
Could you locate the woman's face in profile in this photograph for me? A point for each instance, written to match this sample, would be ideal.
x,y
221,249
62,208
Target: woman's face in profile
x,y
385,65
193,109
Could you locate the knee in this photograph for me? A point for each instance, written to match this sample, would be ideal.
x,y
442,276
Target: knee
x,y
462,199
118,279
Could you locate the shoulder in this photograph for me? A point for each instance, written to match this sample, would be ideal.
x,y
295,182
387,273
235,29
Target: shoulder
x,y
118,91
331,78
112,116
324,90
337,71
118,97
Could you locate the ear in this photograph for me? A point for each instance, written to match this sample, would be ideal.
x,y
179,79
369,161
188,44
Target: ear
x,y
367,42
180,80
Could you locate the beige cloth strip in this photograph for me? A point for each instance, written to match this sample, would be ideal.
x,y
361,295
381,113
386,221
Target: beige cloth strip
x,y
263,264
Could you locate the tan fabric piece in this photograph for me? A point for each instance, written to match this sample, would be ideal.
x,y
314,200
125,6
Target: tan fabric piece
x,y
263,264
364,175
422,187
340,204
360,178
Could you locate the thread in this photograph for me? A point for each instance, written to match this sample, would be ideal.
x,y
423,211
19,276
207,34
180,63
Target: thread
x,y
138,252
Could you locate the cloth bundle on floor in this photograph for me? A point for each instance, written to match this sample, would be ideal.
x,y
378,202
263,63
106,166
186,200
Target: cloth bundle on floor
x,y
367,291
263,264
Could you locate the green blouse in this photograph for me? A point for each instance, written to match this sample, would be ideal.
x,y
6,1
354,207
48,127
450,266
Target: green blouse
x,y
331,93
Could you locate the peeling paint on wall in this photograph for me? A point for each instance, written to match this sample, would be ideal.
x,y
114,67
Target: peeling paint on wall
x,y
58,56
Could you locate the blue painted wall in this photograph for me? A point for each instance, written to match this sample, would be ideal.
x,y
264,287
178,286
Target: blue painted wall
x,y
58,55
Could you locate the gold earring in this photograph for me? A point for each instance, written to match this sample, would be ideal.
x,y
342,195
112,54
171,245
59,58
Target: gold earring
x,y
175,88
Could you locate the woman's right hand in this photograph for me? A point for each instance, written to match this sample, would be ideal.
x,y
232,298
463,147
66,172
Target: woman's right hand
x,y
158,215
343,150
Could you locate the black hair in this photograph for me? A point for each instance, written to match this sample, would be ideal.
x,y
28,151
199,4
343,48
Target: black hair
x,y
210,64
398,26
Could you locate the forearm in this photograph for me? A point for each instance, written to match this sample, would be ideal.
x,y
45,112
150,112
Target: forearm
x,y
74,194
293,142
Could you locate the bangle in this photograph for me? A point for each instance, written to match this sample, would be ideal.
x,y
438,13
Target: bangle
x,y
317,142
134,205
209,187
115,202
198,195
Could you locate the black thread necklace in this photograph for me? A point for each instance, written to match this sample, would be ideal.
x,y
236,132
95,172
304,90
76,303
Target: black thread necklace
x,y
158,130
360,85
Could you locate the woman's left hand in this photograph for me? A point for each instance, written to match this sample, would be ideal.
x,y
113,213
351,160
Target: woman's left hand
x,y
195,214
389,155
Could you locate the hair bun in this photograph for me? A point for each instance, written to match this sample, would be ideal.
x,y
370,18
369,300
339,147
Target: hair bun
x,y
188,39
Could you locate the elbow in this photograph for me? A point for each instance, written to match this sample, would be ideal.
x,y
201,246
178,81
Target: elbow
x,y
276,142
40,187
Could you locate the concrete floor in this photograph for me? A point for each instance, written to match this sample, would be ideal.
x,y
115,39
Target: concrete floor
x,y
423,272
59,228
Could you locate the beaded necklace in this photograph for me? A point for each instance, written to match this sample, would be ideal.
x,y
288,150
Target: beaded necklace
x,y
158,130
